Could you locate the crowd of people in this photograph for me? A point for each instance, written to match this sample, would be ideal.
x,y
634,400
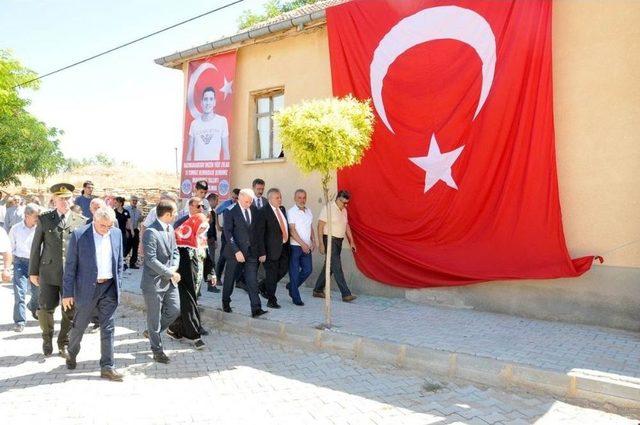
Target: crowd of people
x,y
74,253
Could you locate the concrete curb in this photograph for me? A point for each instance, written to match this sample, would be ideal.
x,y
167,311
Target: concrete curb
x,y
591,386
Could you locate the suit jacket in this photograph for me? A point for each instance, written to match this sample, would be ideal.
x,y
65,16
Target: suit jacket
x,y
49,247
81,267
248,239
161,257
273,234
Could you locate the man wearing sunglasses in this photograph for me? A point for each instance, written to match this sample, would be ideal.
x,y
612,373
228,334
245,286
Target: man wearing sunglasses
x,y
339,230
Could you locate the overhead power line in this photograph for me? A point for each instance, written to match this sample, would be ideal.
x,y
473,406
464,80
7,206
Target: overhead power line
x,y
129,43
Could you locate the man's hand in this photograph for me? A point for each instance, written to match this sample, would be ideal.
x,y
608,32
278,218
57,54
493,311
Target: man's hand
x,y
67,303
175,278
262,258
6,276
353,248
239,257
305,248
312,246
35,279
321,248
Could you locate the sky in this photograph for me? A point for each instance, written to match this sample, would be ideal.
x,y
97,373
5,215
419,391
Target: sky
x,y
121,104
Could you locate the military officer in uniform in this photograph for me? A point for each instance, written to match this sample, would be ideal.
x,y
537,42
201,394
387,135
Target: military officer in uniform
x,y
48,253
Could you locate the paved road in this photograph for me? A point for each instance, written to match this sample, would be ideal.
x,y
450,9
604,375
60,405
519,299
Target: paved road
x,y
555,346
238,379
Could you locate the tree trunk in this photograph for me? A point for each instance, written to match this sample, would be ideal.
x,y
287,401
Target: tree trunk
x,y
327,274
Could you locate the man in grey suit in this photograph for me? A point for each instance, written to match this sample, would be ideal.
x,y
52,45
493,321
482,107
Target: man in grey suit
x,y
160,277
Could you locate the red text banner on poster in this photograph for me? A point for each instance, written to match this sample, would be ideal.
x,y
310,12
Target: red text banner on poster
x,y
207,124
460,183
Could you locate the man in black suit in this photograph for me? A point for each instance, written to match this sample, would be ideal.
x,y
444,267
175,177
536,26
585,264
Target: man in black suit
x,y
276,242
244,232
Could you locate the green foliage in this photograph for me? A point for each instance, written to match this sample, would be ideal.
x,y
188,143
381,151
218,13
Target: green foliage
x,y
27,145
272,9
100,159
326,135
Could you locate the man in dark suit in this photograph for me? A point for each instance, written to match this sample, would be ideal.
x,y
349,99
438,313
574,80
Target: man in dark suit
x,y
92,279
276,242
258,189
46,263
160,277
244,231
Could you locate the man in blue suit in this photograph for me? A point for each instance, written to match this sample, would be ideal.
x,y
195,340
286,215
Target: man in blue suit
x,y
91,282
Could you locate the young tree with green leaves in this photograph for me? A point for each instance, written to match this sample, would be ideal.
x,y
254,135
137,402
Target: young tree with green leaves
x,y
325,136
27,145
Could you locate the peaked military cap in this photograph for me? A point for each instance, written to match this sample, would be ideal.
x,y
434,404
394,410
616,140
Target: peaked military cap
x,y
64,190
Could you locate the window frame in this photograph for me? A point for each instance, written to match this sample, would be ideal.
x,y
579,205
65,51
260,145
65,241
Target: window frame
x,y
265,94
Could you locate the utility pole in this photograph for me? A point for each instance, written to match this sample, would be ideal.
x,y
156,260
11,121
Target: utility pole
x,y
177,169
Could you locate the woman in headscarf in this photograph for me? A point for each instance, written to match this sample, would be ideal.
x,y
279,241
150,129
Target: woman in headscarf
x,y
191,236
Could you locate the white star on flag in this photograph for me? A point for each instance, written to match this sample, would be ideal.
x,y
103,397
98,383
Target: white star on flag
x,y
226,88
437,165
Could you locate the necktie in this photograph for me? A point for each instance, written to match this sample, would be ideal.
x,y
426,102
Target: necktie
x,y
246,216
283,228
259,202
63,222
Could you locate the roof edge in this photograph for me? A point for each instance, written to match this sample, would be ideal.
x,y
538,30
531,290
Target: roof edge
x,y
172,60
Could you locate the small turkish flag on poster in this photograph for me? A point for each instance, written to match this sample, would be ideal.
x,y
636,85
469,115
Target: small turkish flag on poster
x,y
460,183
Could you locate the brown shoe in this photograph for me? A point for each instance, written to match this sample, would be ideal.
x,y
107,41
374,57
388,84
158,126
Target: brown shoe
x,y
349,298
111,375
318,294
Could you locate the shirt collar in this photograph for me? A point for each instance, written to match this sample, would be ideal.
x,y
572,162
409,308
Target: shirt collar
x,y
98,235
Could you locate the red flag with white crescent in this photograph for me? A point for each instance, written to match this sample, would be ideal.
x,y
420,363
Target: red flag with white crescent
x,y
460,184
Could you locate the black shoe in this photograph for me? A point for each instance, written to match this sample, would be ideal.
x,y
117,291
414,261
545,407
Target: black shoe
x,y
204,332
71,362
213,289
126,267
34,314
161,357
241,285
273,304
145,334
226,308
63,351
94,328
300,303
47,348
258,313
111,375
288,286
134,267
199,344
173,335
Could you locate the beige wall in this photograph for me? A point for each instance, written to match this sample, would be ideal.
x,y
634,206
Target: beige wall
x,y
597,116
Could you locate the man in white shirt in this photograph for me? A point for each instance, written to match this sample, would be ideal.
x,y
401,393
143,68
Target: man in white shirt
x,y
5,250
208,133
91,283
303,242
21,237
339,230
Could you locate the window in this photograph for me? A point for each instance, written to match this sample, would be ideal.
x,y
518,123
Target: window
x,y
268,144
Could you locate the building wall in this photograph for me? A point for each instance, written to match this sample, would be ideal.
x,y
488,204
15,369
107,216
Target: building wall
x,y
597,110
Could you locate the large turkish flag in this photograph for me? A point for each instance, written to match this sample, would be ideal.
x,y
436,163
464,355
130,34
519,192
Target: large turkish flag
x,y
460,183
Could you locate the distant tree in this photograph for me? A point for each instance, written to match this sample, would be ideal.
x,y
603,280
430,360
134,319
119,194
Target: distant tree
x,y
27,145
272,9
324,136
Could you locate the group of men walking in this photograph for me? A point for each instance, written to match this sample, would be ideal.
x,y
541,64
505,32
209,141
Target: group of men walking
x,y
80,263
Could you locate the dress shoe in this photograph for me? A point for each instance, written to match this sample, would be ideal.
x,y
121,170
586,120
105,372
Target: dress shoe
x,y
258,313
273,304
204,332
288,286
161,357
18,327
241,285
213,289
111,375
34,314
318,294
349,298
199,344
300,303
47,348
145,334
134,267
226,308
63,351
94,328
71,362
